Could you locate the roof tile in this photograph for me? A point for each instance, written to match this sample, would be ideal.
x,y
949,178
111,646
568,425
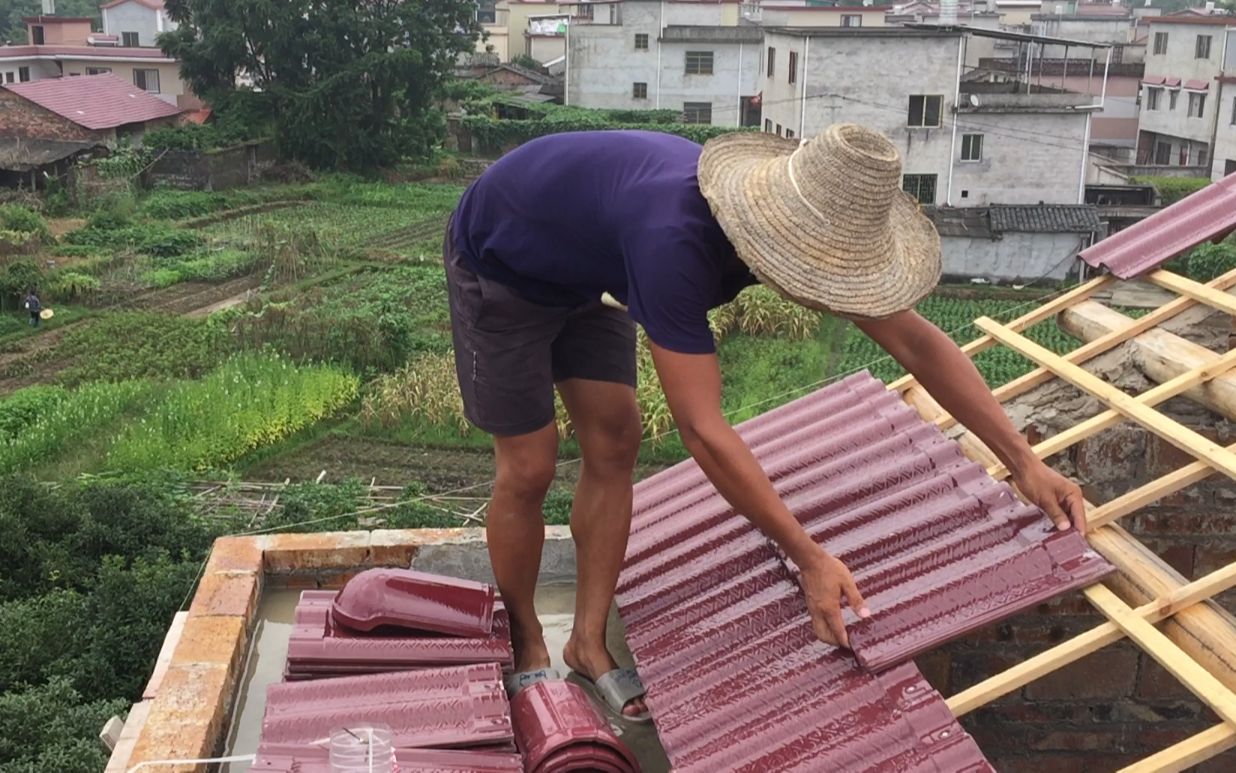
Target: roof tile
x,y
95,101
1208,215
1046,218
717,623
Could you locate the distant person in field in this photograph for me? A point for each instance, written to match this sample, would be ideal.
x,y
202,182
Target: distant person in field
x,y
33,306
563,245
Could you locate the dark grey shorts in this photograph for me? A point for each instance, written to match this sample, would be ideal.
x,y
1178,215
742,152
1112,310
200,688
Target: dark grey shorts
x,y
509,352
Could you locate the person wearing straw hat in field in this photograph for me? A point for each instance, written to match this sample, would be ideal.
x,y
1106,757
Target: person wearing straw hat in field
x,y
563,245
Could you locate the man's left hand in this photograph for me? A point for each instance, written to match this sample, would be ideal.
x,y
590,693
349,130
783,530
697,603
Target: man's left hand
x,y
1055,494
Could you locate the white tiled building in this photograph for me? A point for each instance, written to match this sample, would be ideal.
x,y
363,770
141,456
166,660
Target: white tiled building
x,y
1181,108
135,23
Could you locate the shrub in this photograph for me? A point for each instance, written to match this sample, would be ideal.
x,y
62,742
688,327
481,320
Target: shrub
x,y
426,387
24,406
83,412
180,205
157,240
1211,260
1173,189
25,220
51,728
71,285
204,266
251,401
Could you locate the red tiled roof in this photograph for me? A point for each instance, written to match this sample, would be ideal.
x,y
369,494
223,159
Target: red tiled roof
x,y
558,729
410,599
303,758
1208,215
95,101
716,620
82,52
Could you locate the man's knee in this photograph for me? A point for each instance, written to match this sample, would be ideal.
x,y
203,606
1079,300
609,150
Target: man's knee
x,y
615,444
526,476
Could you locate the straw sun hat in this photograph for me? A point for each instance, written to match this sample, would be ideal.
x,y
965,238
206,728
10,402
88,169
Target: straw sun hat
x,y
825,222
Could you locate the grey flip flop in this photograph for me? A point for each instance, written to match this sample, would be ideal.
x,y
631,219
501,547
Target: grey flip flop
x,y
516,682
616,689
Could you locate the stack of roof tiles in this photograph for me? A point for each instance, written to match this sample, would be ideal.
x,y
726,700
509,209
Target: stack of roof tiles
x,y
717,623
425,656
321,647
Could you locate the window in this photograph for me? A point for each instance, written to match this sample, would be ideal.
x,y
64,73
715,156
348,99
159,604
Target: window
x,y
920,186
1201,157
699,63
129,40
1163,154
1229,167
36,35
925,110
23,74
697,112
793,66
789,134
639,90
772,61
1171,98
641,41
768,125
147,80
778,132
851,20
1160,42
1152,98
1197,104
1202,49
1233,121
8,76
971,147
486,12
97,70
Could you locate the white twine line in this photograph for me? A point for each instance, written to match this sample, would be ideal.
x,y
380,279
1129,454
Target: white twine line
x,y
233,758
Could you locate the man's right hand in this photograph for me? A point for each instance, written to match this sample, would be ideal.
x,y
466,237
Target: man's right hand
x,y
826,581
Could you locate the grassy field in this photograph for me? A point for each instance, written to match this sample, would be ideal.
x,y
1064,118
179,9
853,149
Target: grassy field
x,y
331,295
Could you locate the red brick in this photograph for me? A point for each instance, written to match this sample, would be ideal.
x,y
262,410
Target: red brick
x,y
227,594
1179,555
1212,558
1109,673
1153,681
236,554
311,552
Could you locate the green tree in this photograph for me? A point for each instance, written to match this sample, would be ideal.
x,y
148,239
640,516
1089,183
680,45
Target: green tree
x,y
13,29
349,85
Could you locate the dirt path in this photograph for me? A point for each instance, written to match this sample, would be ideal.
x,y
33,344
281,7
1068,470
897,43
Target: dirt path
x,y
394,464
239,212
389,244
196,299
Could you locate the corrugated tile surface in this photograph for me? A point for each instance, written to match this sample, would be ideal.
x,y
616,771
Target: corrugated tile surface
x,y
717,623
447,707
1206,215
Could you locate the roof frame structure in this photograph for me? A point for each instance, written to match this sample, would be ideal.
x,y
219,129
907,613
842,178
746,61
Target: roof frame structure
x,y
1197,641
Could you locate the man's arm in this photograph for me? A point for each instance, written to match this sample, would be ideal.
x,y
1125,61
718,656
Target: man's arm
x,y
951,378
692,385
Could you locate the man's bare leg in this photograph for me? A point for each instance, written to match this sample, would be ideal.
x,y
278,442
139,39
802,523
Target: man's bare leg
x,y
515,533
607,424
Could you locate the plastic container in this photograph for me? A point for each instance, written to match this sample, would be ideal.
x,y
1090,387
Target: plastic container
x,y
362,749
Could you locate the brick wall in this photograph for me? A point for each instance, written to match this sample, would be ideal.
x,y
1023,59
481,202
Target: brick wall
x,y
22,118
1117,705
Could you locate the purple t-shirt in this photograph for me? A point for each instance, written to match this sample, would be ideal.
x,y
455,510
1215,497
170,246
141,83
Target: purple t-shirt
x,y
565,218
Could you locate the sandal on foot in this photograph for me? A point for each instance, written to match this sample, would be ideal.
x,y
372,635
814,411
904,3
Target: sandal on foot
x,y
516,682
616,689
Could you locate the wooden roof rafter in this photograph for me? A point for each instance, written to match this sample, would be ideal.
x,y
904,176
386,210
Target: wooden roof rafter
x,y
1196,642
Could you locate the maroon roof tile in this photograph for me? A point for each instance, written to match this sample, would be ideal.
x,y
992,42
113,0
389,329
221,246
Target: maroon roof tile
x,y
717,623
416,600
453,707
557,728
1208,215
320,646
83,53
95,101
